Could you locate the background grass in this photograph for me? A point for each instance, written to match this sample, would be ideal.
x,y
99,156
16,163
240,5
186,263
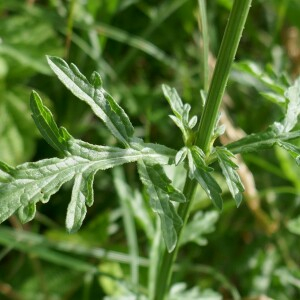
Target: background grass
x,y
136,46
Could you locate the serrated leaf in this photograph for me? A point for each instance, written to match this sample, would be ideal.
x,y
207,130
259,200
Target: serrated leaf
x,y
161,193
103,105
261,141
200,171
232,178
43,118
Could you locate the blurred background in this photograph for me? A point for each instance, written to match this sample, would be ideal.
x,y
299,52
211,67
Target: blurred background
x,y
136,46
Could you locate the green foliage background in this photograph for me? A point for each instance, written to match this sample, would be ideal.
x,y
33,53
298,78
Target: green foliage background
x,y
137,45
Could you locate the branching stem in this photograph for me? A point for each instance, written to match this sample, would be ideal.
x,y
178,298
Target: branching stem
x,y
229,45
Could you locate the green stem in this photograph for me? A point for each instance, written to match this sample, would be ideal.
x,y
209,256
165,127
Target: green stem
x,y
164,273
225,59
227,52
205,42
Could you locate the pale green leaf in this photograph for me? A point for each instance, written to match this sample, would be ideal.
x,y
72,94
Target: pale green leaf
x,y
293,225
261,141
181,155
103,105
27,213
200,225
232,178
161,193
174,100
180,291
156,153
293,109
82,195
193,121
34,182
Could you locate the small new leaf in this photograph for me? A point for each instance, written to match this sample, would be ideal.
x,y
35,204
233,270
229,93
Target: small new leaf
x,y
174,100
161,193
232,178
181,114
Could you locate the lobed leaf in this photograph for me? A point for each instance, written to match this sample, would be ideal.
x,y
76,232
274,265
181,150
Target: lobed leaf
x,y
103,105
161,194
261,141
33,182
181,114
232,178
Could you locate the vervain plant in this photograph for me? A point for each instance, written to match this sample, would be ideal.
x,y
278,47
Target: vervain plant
x,y
21,188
